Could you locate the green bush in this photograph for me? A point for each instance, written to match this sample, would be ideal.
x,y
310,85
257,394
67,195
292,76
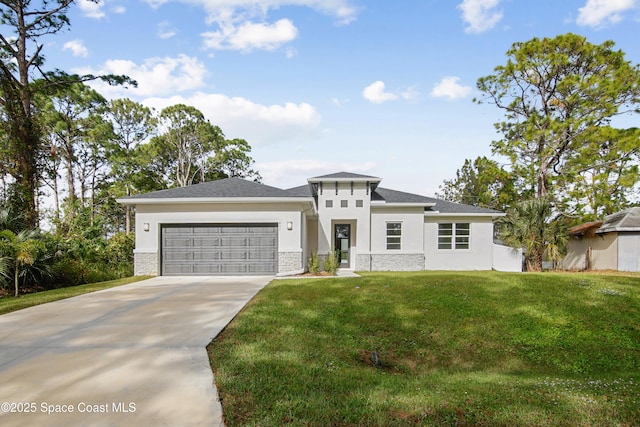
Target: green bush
x,y
314,264
331,263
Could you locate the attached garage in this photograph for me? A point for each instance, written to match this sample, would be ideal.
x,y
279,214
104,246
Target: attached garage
x,y
219,249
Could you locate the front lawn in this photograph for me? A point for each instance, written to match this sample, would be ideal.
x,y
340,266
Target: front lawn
x,y
435,348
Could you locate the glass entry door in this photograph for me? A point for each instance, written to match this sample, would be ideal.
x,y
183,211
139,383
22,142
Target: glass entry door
x,y
342,244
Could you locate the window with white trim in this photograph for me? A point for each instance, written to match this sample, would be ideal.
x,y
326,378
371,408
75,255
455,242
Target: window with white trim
x,y
454,235
394,235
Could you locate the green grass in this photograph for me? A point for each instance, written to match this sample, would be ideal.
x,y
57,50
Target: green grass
x,y
454,348
9,303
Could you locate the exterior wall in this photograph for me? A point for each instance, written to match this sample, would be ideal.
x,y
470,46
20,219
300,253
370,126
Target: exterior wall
x,y
604,253
410,256
479,256
290,262
148,242
397,262
629,251
145,263
506,258
357,217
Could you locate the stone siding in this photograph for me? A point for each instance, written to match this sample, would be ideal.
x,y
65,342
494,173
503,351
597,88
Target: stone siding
x,y
145,264
397,262
363,262
289,262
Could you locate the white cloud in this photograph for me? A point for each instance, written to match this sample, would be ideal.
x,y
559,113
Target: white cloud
x,y
377,94
244,24
166,30
291,173
242,118
91,9
119,9
596,13
480,15
155,77
77,48
249,36
449,87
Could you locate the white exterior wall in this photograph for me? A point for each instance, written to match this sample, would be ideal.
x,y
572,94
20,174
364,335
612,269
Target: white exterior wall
x,y
479,256
147,249
357,217
506,258
628,251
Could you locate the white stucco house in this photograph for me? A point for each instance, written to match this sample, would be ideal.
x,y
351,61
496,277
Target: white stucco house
x,y
233,226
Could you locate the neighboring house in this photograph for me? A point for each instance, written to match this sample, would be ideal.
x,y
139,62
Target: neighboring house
x,y
234,226
612,244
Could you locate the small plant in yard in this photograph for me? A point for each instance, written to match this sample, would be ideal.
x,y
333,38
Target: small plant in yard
x,y
331,263
314,263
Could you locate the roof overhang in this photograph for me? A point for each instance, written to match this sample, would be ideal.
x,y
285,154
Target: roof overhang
x,y
218,200
475,214
383,204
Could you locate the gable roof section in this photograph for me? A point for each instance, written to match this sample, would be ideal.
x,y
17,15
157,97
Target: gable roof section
x,y
627,220
229,188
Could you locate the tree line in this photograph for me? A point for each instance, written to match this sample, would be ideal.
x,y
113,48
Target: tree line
x,y
561,159
67,153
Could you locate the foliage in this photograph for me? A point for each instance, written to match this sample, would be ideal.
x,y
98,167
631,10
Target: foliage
x,y
331,262
530,225
482,183
183,149
559,96
21,78
24,250
482,349
314,263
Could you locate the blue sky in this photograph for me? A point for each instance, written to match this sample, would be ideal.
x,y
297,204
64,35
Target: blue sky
x,y
318,86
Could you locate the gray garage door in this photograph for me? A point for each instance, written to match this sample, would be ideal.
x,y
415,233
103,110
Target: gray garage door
x,y
220,249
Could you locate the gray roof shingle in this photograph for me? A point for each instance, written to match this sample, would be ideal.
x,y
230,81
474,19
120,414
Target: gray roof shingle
x,y
229,187
240,188
344,175
442,206
627,220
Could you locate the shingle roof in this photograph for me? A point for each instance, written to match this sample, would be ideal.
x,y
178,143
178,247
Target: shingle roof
x,y
443,206
627,220
393,196
229,187
301,191
240,188
344,175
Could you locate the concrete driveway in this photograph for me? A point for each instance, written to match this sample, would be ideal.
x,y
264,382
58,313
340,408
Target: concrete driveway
x,y
131,355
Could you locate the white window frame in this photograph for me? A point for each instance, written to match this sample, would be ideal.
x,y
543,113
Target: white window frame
x,y
394,236
458,237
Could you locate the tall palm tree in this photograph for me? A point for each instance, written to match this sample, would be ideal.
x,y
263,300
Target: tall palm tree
x,y
530,225
21,249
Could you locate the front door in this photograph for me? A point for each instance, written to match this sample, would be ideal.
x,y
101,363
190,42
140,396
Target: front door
x,y
342,244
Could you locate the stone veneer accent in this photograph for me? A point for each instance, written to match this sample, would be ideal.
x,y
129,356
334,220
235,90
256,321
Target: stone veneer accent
x,y
397,262
289,262
363,262
145,264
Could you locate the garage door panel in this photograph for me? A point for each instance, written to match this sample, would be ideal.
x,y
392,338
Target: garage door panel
x,y
199,241
219,249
